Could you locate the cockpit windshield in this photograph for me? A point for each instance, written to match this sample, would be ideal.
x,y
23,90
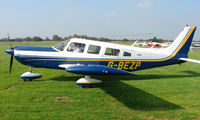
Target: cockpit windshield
x,y
60,46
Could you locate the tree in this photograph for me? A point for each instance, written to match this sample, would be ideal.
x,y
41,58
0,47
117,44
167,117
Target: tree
x,y
36,38
56,38
47,39
65,38
155,39
125,39
18,39
27,39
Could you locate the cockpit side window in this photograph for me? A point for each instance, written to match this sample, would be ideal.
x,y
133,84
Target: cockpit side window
x,y
93,49
60,46
112,52
126,54
76,47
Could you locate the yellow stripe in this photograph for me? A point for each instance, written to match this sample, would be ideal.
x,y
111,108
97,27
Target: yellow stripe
x,y
184,41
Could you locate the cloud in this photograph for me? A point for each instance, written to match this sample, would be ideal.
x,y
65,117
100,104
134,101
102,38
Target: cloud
x,y
112,14
145,4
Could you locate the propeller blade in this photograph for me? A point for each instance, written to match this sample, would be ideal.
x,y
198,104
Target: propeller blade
x,y
11,62
11,52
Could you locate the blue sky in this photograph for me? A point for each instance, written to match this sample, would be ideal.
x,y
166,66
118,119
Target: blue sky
x,y
132,19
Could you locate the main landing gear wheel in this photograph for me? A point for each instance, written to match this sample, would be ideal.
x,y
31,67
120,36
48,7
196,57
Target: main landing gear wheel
x,y
29,76
87,81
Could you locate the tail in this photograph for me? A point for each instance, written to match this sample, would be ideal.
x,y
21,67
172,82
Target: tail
x,y
181,46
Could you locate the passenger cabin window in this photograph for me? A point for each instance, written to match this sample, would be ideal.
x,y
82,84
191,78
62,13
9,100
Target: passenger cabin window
x,y
112,52
93,49
127,54
76,47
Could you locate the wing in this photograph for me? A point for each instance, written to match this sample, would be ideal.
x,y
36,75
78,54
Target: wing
x,y
190,60
94,70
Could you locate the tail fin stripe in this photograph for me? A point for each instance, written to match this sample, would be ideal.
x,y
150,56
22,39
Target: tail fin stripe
x,y
176,50
184,41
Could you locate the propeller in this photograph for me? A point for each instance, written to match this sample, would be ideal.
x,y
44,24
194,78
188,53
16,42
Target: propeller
x,y
11,63
11,58
11,52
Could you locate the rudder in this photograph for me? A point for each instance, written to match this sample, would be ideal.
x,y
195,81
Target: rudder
x,y
185,46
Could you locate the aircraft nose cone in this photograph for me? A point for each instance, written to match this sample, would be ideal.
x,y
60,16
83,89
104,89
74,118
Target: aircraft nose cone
x,y
9,51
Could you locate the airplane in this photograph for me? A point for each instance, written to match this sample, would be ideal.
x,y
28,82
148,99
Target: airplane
x,y
144,44
150,44
88,57
153,44
166,44
195,47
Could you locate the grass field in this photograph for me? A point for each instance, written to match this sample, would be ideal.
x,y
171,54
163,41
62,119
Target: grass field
x,y
171,92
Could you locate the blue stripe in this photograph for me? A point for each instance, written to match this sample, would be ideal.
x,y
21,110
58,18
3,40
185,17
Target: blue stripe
x,y
55,64
35,48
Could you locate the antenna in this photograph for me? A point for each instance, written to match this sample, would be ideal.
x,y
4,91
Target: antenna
x,y
8,36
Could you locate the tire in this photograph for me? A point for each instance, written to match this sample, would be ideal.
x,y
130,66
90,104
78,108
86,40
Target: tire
x,y
27,79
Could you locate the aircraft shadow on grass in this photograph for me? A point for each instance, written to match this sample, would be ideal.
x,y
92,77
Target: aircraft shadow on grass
x,y
130,96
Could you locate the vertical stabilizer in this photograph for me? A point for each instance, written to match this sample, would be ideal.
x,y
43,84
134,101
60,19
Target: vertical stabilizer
x,y
181,46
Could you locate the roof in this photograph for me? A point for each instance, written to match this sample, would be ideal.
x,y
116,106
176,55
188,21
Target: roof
x,y
114,45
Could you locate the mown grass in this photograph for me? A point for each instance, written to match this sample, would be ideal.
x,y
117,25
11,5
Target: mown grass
x,y
170,92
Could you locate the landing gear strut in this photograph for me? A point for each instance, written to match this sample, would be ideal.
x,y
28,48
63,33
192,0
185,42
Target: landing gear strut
x,y
31,70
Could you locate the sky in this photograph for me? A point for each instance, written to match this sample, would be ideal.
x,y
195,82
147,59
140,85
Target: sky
x,y
116,19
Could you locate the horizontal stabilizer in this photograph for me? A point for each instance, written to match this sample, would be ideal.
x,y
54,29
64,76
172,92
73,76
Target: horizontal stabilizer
x,y
96,70
190,60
